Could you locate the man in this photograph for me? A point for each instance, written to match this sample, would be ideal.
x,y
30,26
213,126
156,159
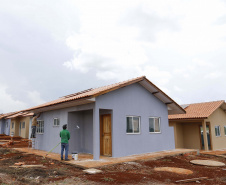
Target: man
x,y
65,136
34,125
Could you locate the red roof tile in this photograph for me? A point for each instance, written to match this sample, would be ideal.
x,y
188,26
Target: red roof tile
x,y
198,110
91,93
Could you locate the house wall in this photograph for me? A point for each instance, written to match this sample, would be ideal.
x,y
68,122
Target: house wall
x,y
24,131
134,100
218,118
50,138
191,135
178,134
7,124
81,139
186,134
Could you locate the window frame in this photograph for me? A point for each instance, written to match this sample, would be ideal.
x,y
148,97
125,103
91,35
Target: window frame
x,y
154,125
217,126
57,121
23,125
225,130
40,127
139,122
12,126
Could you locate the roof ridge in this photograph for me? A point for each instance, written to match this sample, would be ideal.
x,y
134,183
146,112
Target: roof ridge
x,y
203,102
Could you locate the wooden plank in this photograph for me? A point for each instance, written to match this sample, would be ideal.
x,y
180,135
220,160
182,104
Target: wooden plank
x,y
192,180
29,166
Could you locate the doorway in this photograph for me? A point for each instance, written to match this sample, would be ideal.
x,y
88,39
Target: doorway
x,y
105,135
208,137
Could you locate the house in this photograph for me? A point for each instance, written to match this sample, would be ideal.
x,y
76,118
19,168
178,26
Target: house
x,y
5,123
122,119
20,124
202,127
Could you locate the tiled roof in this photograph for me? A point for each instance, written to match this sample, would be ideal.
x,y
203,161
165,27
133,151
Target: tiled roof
x,y
88,93
19,114
92,93
198,110
8,114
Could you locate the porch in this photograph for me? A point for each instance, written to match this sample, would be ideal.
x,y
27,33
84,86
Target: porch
x,y
89,134
190,134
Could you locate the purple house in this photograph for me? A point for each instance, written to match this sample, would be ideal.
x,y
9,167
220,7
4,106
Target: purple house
x,y
122,119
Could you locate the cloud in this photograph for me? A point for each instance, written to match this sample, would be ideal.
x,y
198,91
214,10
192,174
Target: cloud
x,y
35,97
149,23
8,104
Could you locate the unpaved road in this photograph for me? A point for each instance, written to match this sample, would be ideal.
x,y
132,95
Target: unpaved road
x,y
139,172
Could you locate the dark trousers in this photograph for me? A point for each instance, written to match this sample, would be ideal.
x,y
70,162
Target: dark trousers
x,y
64,146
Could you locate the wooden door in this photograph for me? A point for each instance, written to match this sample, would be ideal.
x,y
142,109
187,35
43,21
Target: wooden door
x,y
105,135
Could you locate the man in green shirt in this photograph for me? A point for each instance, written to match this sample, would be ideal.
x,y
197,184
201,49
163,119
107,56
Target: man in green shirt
x,y
65,136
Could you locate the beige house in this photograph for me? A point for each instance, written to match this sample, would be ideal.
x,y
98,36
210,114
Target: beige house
x,y
208,118
20,124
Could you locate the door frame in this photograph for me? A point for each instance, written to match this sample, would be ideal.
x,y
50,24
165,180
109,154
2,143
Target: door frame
x,y
101,133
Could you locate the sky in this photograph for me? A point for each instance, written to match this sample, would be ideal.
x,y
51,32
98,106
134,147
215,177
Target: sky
x,y
49,49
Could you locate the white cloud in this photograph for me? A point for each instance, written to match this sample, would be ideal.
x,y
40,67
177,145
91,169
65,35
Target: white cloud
x,y
35,97
8,104
213,75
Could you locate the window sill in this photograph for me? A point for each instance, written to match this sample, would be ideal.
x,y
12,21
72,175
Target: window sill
x,y
132,133
40,133
155,132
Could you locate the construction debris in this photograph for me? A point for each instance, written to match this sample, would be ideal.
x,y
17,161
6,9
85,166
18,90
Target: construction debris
x,y
28,166
174,170
192,180
92,171
19,164
15,141
207,163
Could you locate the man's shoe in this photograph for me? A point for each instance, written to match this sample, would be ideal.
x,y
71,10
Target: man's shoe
x,y
67,159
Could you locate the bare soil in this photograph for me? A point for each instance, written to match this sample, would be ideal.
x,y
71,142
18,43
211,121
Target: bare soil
x,y
139,172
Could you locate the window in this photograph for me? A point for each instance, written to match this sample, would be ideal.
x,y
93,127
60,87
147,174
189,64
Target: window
x,y
56,122
133,125
225,130
23,125
12,124
7,124
40,127
154,125
217,131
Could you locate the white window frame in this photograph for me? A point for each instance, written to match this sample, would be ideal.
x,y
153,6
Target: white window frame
x,y
40,127
218,126
133,125
225,130
56,122
12,125
154,125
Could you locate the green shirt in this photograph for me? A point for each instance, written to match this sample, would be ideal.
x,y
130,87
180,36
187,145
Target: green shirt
x,y
65,136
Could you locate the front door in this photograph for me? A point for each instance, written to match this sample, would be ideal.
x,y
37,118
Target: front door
x,y
105,135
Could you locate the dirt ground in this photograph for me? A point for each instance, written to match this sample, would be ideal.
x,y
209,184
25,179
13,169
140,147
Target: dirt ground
x,y
139,172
